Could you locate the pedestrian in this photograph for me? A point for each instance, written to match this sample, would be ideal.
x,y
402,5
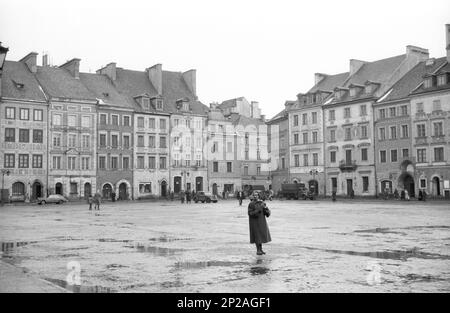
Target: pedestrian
x,y
402,195
396,194
420,197
223,195
259,230
113,196
97,198
193,194
182,194
424,195
240,196
172,196
188,197
333,196
90,202
352,194
406,195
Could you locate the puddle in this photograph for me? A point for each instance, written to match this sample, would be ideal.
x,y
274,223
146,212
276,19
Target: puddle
x,y
114,266
392,255
168,239
379,231
113,240
205,264
159,251
428,227
80,289
8,247
58,220
258,270
422,278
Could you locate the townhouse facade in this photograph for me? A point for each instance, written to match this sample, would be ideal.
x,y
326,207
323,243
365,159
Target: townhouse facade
x,y
23,131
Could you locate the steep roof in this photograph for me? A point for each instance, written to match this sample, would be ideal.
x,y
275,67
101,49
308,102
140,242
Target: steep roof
x,y
281,114
443,68
238,119
58,82
330,82
18,73
411,80
216,115
230,103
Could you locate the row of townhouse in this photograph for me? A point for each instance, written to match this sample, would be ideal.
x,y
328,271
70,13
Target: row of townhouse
x,y
382,126
132,134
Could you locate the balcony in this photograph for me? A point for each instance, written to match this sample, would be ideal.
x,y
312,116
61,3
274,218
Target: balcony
x,y
347,166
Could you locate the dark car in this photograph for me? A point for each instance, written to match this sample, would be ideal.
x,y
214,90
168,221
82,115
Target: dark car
x,y
203,197
57,199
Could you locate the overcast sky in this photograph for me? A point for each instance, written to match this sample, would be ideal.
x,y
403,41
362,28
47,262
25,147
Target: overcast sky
x,y
267,51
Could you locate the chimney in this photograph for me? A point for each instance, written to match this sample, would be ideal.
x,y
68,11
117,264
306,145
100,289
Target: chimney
x,y
447,41
190,78
355,65
318,77
109,70
418,53
155,77
30,60
263,117
45,61
73,66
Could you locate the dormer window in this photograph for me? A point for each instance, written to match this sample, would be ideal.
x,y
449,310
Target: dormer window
x,y
353,92
105,94
442,80
159,104
18,85
146,103
428,83
185,106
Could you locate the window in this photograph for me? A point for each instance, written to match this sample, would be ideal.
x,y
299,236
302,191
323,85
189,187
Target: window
x,y
140,122
56,162
10,113
72,120
159,104
102,162
188,123
296,160
332,115
72,138
198,160
9,160
305,160
421,130
140,142
85,141
441,80
151,162
85,163
314,117
315,137
198,142
305,119
140,162
114,141
332,156
24,135
421,155
393,132
145,188
315,159
71,163
258,170
10,135
382,156
215,147
437,105
404,110
102,140
382,113
348,133
419,107
162,124
305,138
246,170
283,163
86,121
392,112
24,114
394,157
176,122
162,142
364,131
151,123
151,141
176,160
332,135
405,131
438,131
115,120
23,160
428,83
73,188
215,167
364,155
198,124
57,119
56,140
363,110
295,120
102,119
126,121
365,180
229,167
176,141
126,141
347,113
439,154
295,139
125,163
146,103
38,136
405,153
423,183
162,163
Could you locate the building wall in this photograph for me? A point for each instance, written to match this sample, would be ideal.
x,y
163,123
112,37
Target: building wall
x,y
279,150
31,174
63,174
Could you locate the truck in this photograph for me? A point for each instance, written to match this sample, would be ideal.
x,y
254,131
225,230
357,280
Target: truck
x,y
296,191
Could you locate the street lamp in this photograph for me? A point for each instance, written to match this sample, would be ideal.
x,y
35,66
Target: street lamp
x,y
4,172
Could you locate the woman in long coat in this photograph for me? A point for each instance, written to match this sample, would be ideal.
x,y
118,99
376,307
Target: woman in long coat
x,y
259,231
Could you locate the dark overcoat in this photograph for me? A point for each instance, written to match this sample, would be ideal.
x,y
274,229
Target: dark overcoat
x,y
259,231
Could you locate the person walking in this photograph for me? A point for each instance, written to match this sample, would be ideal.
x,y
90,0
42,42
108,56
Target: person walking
x,y
188,197
259,230
182,195
406,195
240,196
97,198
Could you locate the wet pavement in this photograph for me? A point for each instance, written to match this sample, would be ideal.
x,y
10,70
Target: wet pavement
x,y
318,246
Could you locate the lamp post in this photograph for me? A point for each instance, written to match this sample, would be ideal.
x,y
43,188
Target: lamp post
x,y
314,172
4,172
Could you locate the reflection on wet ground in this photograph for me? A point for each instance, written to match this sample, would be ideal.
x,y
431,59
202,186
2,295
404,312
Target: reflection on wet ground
x,y
8,247
159,251
393,255
380,231
204,264
81,288
113,240
422,278
168,239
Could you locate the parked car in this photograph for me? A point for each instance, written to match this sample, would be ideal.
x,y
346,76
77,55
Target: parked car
x,y
57,199
203,197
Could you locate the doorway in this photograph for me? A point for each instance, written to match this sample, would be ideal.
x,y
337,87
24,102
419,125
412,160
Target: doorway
x,y
436,186
177,184
314,186
349,187
199,184
106,192
36,190
163,188
59,189
408,184
214,189
87,190
123,191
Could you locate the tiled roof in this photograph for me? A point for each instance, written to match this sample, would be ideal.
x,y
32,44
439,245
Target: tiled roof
x,y
216,115
103,89
330,82
444,68
58,82
411,80
278,116
238,119
17,72
230,103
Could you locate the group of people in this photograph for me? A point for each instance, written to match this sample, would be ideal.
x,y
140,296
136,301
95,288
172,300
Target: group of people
x,y
186,196
95,201
404,195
